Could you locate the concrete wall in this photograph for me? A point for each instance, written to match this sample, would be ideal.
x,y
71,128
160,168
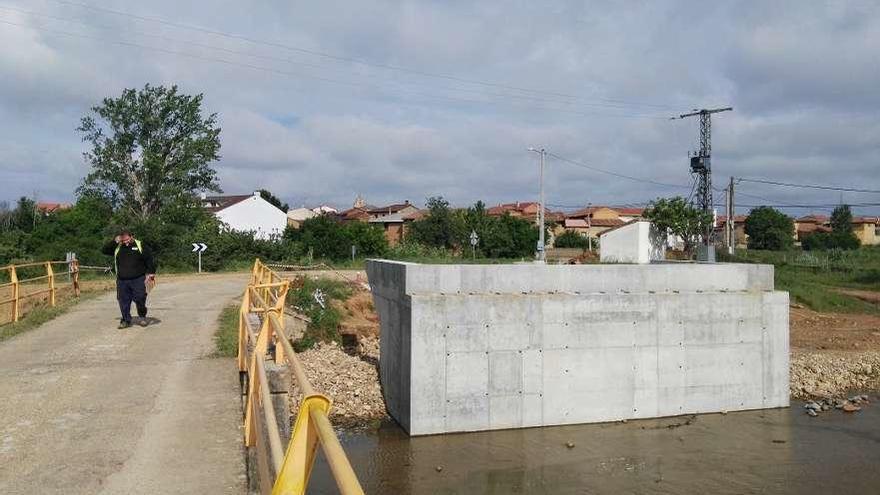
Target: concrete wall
x,y
635,242
479,347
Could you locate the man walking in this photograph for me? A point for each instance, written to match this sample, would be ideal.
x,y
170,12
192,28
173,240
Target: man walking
x,y
134,267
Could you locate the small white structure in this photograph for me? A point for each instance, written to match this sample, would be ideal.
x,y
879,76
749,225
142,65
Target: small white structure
x,y
634,242
297,216
248,213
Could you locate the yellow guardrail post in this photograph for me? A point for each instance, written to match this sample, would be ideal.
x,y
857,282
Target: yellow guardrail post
x,y
266,294
51,274
300,456
16,293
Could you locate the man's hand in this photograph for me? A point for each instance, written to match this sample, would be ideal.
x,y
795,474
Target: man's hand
x,y
151,277
117,239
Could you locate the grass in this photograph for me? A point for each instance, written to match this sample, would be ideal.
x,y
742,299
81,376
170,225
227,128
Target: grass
x,y
814,278
226,336
42,314
324,324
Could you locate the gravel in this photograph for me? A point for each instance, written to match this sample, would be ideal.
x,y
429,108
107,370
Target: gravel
x,y
821,374
351,379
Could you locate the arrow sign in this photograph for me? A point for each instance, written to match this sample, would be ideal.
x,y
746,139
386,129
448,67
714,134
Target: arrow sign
x,y
199,247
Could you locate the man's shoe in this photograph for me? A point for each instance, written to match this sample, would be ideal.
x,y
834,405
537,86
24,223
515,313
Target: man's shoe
x,y
124,324
143,321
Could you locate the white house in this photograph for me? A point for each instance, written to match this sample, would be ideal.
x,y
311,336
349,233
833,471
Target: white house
x,y
634,242
297,216
248,213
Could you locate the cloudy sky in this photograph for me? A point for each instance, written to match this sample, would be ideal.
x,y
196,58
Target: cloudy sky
x,y
321,101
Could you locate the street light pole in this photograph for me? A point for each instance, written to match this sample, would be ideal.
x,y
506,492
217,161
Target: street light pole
x,y
541,254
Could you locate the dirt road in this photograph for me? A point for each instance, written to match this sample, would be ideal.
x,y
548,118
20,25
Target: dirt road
x,y
91,409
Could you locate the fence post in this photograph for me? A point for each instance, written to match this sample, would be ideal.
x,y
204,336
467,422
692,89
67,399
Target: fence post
x,y
16,295
51,274
74,270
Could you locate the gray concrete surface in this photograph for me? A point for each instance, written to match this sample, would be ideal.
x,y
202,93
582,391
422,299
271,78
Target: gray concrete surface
x,y
480,347
91,409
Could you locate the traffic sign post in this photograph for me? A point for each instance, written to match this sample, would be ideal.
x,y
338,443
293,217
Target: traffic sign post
x,y
474,240
199,247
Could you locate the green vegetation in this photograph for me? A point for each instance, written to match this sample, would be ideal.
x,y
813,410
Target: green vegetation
x,y
841,236
326,238
324,324
42,314
769,228
815,278
572,239
676,217
226,336
499,237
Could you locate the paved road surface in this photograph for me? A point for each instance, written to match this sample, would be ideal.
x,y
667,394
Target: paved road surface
x,y
86,408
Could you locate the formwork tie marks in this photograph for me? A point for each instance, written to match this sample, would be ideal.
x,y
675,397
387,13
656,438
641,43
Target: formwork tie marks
x,y
282,470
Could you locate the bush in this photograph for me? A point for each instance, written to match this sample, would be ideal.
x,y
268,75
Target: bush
x,y
768,228
821,241
572,239
325,237
324,325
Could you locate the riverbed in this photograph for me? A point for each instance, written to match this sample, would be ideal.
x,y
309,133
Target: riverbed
x,y
769,451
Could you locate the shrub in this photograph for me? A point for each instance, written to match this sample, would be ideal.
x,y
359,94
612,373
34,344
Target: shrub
x,y
572,239
768,228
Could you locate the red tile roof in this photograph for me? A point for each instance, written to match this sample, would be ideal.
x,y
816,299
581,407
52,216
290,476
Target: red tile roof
x,y
217,203
625,211
46,207
596,222
874,220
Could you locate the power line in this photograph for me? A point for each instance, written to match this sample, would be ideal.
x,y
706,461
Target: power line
x,y
322,67
294,74
615,174
809,186
610,102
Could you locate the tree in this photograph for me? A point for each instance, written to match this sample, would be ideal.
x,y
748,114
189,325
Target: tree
x,y
572,239
439,227
24,216
675,216
841,220
509,237
151,148
268,196
841,236
769,228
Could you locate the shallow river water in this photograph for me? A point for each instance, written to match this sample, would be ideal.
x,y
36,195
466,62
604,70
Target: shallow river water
x,y
771,451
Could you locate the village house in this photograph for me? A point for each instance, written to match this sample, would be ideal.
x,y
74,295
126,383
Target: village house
x,y
739,229
394,220
296,216
47,208
247,213
528,210
867,229
594,220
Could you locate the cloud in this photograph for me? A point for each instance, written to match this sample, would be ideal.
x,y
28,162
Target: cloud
x,y
442,107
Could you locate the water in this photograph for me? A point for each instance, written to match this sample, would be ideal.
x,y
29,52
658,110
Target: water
x,y
772,451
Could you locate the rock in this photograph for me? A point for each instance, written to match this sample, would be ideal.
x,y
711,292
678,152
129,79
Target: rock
x,y
569,444
812,412
851,408
439,468
826,407
812,406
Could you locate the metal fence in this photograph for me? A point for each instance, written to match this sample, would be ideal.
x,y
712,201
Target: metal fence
x,y
29,280
261,327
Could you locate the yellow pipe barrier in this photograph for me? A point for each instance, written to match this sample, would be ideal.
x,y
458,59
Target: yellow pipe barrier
x,y
16,282
312,427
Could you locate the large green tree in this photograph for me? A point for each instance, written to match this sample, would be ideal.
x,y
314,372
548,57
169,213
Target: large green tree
x,y
439,227
150,149
675,216
841,235
769,228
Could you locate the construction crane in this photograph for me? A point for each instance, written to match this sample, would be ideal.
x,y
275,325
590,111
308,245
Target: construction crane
x,y
701,166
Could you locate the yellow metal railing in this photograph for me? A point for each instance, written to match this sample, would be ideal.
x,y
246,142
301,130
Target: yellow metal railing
x,y
289,468
18,286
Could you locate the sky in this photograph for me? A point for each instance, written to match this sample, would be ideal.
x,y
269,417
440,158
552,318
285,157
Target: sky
x,y
322,101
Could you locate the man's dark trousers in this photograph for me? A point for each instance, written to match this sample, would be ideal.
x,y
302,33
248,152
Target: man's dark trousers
x,y
132,290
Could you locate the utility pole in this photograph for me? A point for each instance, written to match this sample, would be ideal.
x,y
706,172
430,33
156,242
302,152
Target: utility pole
x,y
730,228
701,166
541,255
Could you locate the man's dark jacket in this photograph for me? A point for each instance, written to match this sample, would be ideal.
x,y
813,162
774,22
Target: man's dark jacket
x,y
131,263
